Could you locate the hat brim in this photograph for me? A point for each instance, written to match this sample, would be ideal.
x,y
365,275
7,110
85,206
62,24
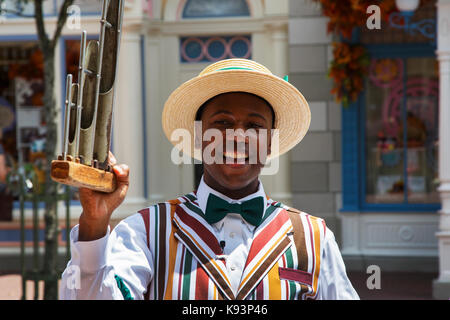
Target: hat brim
x,y
292,113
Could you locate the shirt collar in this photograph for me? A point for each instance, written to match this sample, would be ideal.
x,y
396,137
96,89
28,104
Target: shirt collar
x,y
204,190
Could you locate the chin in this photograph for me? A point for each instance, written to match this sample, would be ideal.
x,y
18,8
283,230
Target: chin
x,y
235,177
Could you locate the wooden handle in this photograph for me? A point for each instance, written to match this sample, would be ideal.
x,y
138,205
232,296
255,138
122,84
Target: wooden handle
x,y
79,175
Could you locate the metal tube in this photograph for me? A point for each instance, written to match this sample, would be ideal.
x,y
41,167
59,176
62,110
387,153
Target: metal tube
x,y
68,105
99,72
81,68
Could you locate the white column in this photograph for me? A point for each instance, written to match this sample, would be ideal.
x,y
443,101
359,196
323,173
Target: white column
x,y
127,129
165,179
278,186
155,82
441,286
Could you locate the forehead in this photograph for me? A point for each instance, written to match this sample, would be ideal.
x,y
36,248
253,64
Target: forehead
x,y
237,103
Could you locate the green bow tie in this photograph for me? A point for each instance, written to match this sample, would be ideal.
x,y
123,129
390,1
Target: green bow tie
x,y
251,210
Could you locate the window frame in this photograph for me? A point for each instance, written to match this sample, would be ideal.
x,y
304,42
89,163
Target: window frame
x,y
354,160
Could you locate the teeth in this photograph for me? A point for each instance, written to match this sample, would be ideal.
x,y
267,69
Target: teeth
x,y
234,155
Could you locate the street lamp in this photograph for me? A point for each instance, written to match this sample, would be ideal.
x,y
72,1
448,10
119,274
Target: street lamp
x,y
407,5
402,19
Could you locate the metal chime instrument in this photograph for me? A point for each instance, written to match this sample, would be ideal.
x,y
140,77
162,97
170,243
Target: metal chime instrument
x,y
89,108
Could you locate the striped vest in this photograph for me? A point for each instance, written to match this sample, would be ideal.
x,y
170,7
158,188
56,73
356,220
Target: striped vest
x,y
283,262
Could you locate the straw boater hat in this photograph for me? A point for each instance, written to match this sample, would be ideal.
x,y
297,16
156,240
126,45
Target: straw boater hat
x,y
292,114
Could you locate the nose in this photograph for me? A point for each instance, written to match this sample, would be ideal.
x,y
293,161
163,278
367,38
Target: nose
x,y
238,135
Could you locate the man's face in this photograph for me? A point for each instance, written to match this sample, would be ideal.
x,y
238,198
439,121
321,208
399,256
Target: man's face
x,y
249,120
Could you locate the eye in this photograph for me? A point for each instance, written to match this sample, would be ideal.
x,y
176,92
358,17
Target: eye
x,y
255,125
222,122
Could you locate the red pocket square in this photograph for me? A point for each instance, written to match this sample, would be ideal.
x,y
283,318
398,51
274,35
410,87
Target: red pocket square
x,y
296,275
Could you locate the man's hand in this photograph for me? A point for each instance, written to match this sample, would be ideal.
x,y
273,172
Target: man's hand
x,y
98,206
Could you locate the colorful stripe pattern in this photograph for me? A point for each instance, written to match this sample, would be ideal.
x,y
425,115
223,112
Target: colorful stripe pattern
x,y
283,261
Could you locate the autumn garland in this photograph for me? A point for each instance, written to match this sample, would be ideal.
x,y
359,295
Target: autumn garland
x,y
345,15
350,61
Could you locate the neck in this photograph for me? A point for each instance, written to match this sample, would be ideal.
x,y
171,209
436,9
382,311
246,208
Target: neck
x,y
234,194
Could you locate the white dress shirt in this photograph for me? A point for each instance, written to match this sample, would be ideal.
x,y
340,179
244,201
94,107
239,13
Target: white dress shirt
x,y
90,272
236,233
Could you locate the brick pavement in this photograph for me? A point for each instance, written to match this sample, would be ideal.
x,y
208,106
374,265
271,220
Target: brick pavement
x,y
11,285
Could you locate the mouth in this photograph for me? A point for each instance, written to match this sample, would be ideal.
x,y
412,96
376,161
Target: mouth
x,y
235,159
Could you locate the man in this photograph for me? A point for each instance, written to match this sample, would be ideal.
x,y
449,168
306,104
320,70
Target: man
x,y
227,239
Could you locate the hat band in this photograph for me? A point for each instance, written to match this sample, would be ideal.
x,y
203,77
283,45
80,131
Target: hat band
x,y
234,68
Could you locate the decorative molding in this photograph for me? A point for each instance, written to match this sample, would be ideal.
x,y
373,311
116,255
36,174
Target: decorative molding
x,y
389,234
405,234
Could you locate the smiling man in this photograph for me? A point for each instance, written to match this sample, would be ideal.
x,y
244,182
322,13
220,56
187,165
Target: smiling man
x,y
238,118
227,239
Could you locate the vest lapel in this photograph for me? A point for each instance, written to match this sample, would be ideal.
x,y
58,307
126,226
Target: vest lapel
x,y
199,238
269,243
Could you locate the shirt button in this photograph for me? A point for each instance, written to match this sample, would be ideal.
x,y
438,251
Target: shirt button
x,y
232,234
232,268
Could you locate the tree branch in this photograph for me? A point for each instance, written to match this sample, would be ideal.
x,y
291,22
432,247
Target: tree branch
x,y
62,17
40,25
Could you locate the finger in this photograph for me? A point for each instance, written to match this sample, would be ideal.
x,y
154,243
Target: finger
x,y
122,177
122,172
111,159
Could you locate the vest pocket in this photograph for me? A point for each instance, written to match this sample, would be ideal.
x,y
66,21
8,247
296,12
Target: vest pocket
x,y
296,275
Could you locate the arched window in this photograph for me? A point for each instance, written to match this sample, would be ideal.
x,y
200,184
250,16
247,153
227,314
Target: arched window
x,y
215,8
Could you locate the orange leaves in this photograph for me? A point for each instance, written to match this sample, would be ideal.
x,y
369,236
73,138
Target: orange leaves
x,y
350,61
348,69
344,15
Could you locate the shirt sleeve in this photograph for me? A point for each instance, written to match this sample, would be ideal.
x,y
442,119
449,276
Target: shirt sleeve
x,y
333,281
117,266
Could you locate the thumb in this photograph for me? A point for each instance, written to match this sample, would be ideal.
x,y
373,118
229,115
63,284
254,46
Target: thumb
x,y
122,172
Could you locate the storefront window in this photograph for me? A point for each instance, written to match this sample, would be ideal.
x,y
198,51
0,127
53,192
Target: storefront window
x,y
22,122
401,120
21,91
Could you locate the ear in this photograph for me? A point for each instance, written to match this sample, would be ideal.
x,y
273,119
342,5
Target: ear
x,y
269,142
